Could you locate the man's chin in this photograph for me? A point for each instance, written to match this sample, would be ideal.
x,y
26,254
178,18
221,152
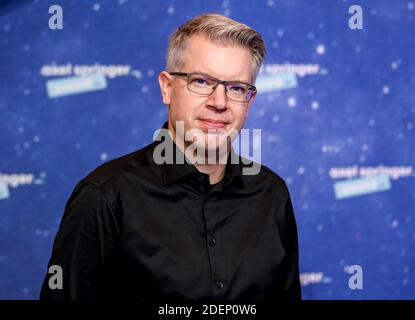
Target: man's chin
x,y
212,151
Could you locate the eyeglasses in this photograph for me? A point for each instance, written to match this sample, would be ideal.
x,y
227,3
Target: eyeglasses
x,y
205,85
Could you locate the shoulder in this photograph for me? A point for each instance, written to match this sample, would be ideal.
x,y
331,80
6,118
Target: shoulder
x,y
258,174
129,163
99,190
271,177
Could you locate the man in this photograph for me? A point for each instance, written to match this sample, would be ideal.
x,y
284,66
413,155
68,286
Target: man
x,y
140,228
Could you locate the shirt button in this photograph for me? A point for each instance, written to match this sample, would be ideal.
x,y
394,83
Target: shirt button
x,y
212,241
219,284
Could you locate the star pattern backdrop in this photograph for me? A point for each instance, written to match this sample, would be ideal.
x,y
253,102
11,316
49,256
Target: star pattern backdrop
x,y
336,109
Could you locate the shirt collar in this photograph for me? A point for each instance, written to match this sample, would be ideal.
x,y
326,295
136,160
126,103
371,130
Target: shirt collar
x,y
176,171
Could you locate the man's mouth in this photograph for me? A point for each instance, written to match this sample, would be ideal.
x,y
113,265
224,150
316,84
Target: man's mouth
x,y
213,124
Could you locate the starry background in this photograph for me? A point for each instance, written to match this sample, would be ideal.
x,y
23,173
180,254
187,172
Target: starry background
x,y
359,111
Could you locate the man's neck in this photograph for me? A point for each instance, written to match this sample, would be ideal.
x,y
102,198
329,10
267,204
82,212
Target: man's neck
x,y
216,170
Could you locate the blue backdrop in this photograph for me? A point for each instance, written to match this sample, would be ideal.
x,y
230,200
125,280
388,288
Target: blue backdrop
x,y
336,108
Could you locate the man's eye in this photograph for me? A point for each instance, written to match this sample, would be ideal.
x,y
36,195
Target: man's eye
x,y
237,89
200,81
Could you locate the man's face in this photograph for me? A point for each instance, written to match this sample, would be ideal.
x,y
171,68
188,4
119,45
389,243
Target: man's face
x,y
207,113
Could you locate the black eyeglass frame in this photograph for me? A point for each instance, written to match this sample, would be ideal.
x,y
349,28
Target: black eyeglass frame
x,y
224,82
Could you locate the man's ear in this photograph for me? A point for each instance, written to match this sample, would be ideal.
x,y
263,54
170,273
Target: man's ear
x,y
165,86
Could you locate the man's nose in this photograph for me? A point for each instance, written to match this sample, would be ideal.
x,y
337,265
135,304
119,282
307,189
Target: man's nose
x,y
217,99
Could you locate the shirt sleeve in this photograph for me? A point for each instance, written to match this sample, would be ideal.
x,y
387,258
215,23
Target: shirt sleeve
x,y
291,283
83,247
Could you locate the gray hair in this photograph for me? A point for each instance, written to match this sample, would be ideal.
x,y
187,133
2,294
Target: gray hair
x,y
217,28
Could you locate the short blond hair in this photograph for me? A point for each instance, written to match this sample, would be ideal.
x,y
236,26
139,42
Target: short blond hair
x,y
217,28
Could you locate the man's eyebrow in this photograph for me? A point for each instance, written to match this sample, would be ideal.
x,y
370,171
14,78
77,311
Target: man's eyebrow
x,y
208,75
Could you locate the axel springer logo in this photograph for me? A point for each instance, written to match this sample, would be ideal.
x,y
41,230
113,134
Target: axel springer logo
x,y
211,147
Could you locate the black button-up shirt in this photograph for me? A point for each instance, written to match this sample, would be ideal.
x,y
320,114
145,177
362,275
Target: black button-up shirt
x,y
138,230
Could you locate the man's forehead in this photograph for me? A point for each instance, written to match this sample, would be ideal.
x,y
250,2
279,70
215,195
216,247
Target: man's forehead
x,y
222,61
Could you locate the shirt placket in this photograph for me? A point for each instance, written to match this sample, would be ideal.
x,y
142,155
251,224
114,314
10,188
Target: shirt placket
x,y
218,284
